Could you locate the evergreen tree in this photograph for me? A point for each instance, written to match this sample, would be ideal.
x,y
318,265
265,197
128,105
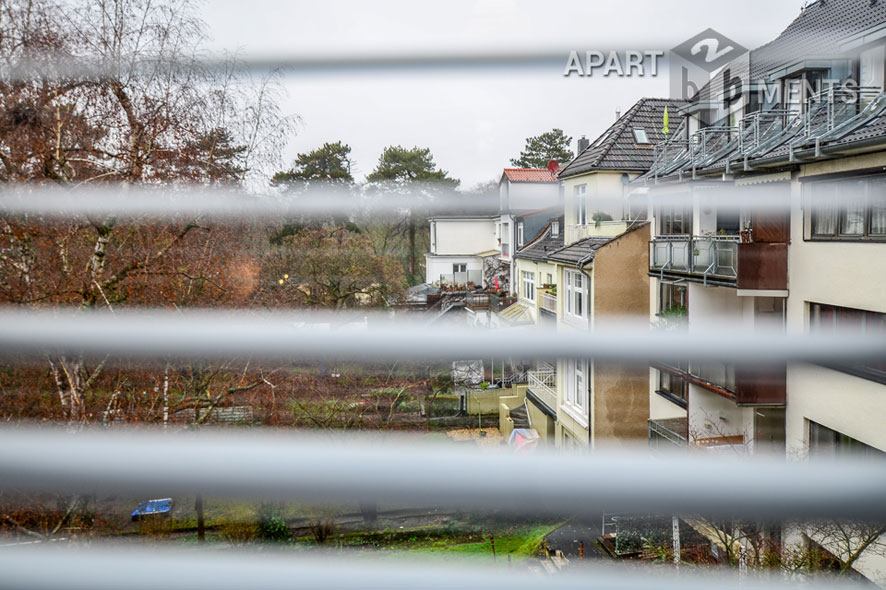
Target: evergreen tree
x,y
553,145
399,167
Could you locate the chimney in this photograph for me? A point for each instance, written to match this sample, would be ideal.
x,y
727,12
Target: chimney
x,y
617,114
583,144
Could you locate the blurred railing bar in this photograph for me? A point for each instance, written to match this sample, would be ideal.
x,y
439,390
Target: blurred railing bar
x,y
311,201
105,568
159,334
404,470
62,67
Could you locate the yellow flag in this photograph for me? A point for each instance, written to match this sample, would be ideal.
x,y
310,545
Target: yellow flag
x,y
665,121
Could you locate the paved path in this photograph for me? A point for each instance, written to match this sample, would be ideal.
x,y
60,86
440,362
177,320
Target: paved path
x,y
568,537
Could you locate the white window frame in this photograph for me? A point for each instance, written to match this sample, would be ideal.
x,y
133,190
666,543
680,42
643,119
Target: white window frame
x,y
456,265
573,279
519,234
527,285
576,393
580,192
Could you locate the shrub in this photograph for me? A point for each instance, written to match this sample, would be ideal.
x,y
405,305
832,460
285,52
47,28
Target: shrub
x,y
271,526
239,533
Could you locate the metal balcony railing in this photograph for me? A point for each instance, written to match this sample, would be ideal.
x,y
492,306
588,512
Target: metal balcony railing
x,y
477,300
500,302
547,301
668,433
671,252
710,144
543,383
462,280
708,256
715,256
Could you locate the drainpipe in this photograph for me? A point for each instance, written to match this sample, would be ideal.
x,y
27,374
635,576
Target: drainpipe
x,y
581,264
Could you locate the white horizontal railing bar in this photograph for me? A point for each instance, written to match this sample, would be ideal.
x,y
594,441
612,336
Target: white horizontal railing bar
x,y
63,67
315,200
403,470
282,335
102,567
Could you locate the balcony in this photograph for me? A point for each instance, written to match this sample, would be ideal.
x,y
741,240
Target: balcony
x,y
543,384
574,233
462,280
547,301
668,433
721,260
477,300
499,302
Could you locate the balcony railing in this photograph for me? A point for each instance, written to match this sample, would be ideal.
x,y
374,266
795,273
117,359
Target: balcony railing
x,y
462,279
477,300
713,257
548,302
668,433
500,302
543,383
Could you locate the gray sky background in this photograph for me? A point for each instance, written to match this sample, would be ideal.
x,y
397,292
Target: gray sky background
x,y
474,121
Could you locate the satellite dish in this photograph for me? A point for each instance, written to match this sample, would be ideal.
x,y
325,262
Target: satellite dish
x,y
553,166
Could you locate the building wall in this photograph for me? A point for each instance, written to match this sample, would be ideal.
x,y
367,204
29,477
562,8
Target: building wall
x,y
607,193
838,273
543,424
442,265
463,236
621,290
528,195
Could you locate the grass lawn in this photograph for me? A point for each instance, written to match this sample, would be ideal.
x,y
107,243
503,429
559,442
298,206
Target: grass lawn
x,y
520,542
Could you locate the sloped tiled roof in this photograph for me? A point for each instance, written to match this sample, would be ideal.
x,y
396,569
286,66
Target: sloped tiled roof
x,y
616,148
529,175
817,32
584,250
543,245
581,250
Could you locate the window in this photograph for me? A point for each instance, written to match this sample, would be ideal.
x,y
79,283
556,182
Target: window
x,y
831,319
581,204
576,394
555,228
674,221
519,234
673,298
825,442
673,387
640,135
461,267
550,280
528,289
576,305
848,209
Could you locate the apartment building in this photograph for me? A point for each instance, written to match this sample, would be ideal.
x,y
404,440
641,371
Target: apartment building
x,y
769,210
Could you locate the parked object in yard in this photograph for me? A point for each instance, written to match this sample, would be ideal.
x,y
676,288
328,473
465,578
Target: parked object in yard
x,y
161,507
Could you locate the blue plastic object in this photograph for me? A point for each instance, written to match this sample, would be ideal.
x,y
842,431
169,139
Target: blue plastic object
x,y
149,508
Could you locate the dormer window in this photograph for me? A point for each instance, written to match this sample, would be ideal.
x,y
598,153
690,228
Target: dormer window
x,y
640,136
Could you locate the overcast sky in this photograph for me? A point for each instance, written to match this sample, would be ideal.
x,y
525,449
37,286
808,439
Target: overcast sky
x,y
474,121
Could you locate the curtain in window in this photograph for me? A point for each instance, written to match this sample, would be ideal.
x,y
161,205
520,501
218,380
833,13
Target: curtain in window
x,y
878,209
824,210
852,218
